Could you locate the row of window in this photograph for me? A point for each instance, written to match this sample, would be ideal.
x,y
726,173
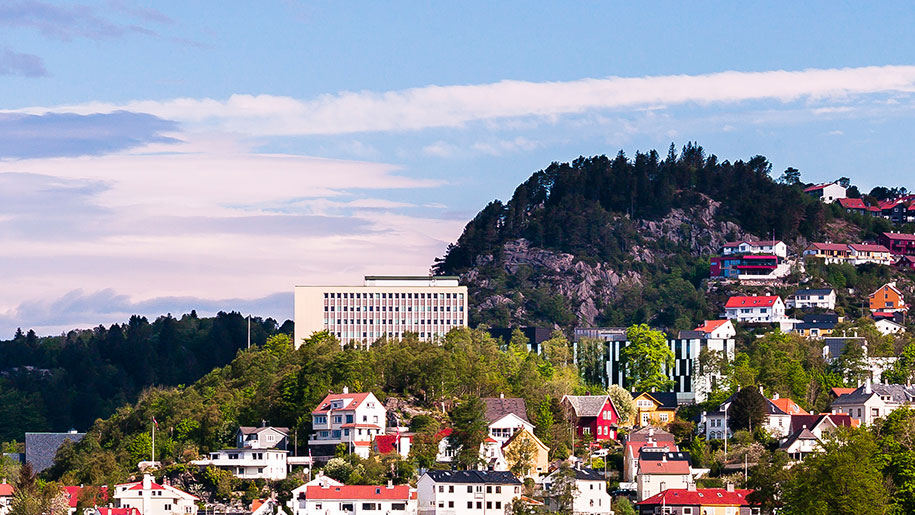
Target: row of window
x,y
459,296
396,308
336,433
479,504
391,334
390,321
478,489
367,506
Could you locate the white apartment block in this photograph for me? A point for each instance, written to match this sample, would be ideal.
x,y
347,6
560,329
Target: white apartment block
x,y
269,464
466,492
154,499
330,499
353,419
382,307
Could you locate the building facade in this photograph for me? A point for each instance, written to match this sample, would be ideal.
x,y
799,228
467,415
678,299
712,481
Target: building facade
x,y
353,419
764,309
382,307
152,498
269,464
466,492
329,499
824,298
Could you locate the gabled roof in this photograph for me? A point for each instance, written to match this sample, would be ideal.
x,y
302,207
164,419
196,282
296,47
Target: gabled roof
x,y
756,301
816,187
356,400
897,393
473,476
498,407
864,247
802,434
6,490
586,474
699,497
358,492
665,400
890,286
711,325
587,405
842,391
655,433
840,247
529,434
852,203
899,236
678,467
788,406
817,291
249,430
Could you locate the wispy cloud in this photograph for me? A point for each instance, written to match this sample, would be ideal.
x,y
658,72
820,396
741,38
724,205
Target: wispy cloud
x,y
25,65
455,106
68,22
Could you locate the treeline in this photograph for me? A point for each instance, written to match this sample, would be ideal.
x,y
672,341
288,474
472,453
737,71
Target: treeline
x,y
61,382
281,385
576,207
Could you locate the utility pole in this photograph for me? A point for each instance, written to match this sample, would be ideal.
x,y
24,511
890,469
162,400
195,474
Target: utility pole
x,y
249,331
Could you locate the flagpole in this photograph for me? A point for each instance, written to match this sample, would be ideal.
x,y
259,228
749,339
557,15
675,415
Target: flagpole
x,y
154,440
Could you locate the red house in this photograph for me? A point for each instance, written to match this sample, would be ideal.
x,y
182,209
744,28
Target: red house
x,y
900,244
592,415
906,263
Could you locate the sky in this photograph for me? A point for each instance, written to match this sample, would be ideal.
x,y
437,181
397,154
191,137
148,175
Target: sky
x,y
158,157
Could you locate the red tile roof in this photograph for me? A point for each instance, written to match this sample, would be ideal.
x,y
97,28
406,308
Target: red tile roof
x,y
789,406
444,433
841,247
678,467
6,490
869,248
842,391
152,486
761,301
358,492
711,325
816,187
852,203
899,236
324,405
699,497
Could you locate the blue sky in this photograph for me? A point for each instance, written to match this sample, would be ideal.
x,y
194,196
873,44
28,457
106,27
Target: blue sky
x,y
166,156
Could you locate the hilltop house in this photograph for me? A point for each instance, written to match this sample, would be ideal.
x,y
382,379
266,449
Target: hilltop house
x,y
824,298
817,325
714,329
659,471
887,299
861,253
756,309
777,422
519,445
6,497
647,437
873,401
154,499
466,492
353,419
828,252
269,464
828,192
591,415
775,247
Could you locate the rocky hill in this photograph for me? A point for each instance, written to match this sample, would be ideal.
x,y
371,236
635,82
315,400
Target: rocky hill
x,y
621,241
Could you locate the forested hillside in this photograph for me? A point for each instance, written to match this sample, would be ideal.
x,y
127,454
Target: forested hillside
x,y
61,382
618,241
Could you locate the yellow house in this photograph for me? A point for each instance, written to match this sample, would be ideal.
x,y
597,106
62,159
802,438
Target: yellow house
x,y
526,455
654,408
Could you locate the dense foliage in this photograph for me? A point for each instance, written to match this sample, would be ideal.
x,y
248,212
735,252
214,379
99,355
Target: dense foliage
x,y
61,382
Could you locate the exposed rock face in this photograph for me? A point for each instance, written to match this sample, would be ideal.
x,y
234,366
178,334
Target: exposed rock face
x,y
697,229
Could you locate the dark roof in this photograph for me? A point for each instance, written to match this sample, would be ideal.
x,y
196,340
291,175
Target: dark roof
x,y
498,407
587,474
655,433
247,430
824,291
835,344
648,454
690,335
897,393
802,434
771,408
814,318
473,476
668,400
40,448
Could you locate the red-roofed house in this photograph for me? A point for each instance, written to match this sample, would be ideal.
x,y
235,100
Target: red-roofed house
x,y
757,309
906,263
863,253
6,497
828,192
655,476
393,442
151,498
900,244
829,252
356,500
353,419
698,501
853,205
717,329
774,247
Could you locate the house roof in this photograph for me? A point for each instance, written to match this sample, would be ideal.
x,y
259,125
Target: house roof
x,y
498,407
817,187
665,400
816,291
771,407
711,325
587,405
699,497
852,203
865,247
652,454
655,433
756,301
897,393
842,391
6,490
890,286
842,247
789,406
358,492
444,433
812,421
802,434
586,474
899,236
249,430
678,467
530,435
473,476
356,398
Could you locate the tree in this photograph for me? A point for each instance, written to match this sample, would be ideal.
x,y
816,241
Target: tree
x,y
557,350
747,410
852,363
896,439
591,360
766,479
339,469
563,491
622,401
903,370
469,423
791,176
521,456
843,479
647,358
544,420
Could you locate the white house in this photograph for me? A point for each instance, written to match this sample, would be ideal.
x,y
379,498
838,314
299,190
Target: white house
x,y
717,329
6,497
491,455
824,298
331,499
466,492
264,437
774,247
655,476
873,401
886,326
862,253
801,444
353,419
154,499
269,464
777,422
755,309
505,416
589,496
829,192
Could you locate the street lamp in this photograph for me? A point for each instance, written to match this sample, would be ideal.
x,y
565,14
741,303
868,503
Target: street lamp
x,y
726,432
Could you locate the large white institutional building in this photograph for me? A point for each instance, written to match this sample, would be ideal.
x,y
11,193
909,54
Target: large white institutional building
x,y
383,306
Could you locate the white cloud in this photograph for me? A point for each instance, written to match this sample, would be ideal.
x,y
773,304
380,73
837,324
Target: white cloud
x,y
506,146
440,149
454,106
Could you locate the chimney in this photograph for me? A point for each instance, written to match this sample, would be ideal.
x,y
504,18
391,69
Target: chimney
x,y
346,389
867,386
147,482
390,484
663,457
501,395
775,396
730,487
761,391
691,486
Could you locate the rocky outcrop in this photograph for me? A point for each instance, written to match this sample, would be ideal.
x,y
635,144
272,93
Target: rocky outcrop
x,y
697,229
